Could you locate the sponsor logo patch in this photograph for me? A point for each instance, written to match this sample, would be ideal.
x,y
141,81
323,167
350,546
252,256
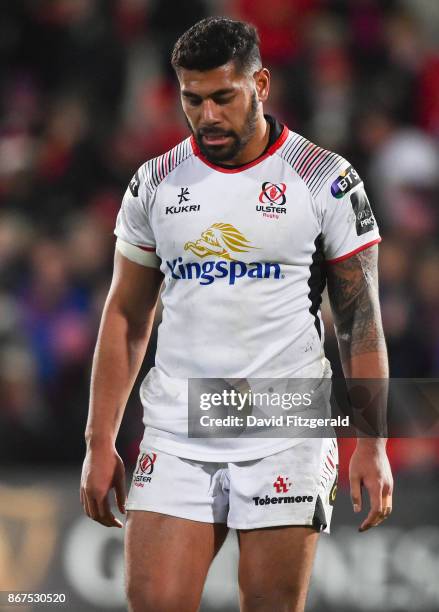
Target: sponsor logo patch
x,y
172,210
221,241
183,196
282,484
182,207
364,219
348,179
208,271
134,185
286,499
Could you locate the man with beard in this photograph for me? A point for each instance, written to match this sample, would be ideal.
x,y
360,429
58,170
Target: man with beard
x,y
239,220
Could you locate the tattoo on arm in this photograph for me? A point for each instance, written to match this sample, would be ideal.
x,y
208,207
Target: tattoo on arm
x,y
353,294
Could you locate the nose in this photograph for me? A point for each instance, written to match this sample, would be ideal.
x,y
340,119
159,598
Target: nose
x,y
209,112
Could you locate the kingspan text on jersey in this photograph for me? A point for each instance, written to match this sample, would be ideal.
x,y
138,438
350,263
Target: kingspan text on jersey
x,y
208,271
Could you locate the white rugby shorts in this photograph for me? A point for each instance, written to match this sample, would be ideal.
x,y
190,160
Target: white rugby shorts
x,y
296,486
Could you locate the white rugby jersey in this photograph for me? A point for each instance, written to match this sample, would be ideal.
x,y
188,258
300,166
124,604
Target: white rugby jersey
x,y
243,251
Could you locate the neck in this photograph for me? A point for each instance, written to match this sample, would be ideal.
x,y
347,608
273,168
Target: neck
x,y
255,146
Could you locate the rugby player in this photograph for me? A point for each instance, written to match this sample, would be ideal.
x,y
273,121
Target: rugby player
x,y
243,221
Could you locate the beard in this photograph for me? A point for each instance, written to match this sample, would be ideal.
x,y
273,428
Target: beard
x,y
224,153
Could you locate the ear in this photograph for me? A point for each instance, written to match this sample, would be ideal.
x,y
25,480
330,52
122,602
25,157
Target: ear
x,y
262,81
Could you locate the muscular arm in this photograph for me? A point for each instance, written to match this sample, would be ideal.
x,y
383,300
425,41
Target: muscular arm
x,y
123,336
353,294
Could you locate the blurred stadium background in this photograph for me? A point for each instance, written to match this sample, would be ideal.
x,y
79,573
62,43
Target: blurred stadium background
x,y
86,95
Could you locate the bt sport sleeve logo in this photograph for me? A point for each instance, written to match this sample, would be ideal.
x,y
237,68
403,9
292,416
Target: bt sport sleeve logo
x,y
348,179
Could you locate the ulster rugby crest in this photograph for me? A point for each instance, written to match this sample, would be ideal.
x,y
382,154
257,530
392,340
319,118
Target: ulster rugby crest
x,y
272,200
273,194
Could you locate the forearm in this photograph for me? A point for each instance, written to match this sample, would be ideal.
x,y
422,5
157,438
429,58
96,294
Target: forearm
x,y
119,353
364,356
362,347
353,291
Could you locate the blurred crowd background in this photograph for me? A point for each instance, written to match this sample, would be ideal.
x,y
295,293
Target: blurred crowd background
x,y
87,94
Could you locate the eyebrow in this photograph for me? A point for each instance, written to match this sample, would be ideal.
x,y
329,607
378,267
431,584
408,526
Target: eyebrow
x,y
218,92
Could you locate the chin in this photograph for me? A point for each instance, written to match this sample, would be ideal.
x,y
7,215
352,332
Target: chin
x,y
219,154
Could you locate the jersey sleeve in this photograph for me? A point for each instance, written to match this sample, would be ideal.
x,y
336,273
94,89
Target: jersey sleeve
x,y
135,238
348,223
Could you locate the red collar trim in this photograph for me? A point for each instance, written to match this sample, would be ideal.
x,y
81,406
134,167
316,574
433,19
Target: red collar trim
x,y
274,147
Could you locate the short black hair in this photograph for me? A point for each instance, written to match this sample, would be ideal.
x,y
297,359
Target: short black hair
x,y
215,41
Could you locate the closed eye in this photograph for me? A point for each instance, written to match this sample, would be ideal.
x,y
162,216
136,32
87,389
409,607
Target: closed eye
x,y
192,100
220,97
223,100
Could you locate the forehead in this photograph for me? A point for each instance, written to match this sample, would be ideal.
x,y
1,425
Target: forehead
x,y
205,82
